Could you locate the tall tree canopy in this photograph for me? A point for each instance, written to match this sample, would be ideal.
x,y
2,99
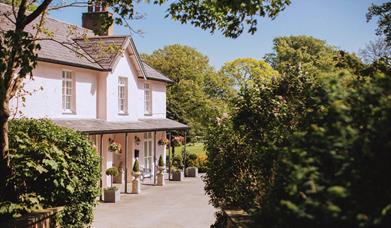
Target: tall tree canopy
x,y
311,55
383,12
241,70
196,96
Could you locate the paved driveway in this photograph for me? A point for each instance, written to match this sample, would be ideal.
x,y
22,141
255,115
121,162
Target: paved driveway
x,y
177,204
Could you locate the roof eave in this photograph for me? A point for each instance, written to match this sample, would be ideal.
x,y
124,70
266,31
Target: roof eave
x,y
47,60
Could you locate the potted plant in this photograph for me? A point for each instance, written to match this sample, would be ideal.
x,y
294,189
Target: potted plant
x,y
136,188
161,164
114,147
191,170
112,194
162,142
177,172
160,174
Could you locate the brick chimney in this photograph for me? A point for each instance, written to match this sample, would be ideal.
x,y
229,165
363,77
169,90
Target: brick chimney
x,y
92,19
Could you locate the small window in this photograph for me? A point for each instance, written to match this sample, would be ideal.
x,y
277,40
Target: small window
x,y
67,92
147,99
122,95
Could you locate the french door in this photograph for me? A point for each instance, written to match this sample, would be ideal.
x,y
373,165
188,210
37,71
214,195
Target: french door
x,y
148,148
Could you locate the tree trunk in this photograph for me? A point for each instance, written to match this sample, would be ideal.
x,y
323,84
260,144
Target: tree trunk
x,y
7,189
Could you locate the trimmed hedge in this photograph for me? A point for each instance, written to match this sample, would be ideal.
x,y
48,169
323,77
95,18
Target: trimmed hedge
x,y
54,166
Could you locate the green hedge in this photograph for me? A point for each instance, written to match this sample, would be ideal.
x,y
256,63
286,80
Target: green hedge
x,y
54,166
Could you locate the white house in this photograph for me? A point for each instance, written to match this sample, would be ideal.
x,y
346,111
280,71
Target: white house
x,y
98,85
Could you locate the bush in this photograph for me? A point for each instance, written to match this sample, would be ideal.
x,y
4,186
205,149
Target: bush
x,y
113,171
136,166
306,151
201,163
177,162
161,162
58,166
191,160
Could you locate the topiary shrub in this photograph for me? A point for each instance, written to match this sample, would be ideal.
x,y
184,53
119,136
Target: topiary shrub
x,y
161,162
58,166
136,166
113,172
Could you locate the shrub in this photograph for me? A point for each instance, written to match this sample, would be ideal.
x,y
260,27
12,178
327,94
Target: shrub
x,y
113,171
306,151
136,166
191,160
177,162
201,163
57,165
161,162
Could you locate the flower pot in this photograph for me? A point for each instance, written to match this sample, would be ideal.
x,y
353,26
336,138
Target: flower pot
x,y
178,175
136,175
112,195
191,172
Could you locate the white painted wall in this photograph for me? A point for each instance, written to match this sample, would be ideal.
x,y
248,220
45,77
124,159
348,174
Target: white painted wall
x,y
135,94
158,99
96,94
48,102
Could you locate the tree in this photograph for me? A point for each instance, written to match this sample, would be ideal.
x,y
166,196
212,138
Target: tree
x,y
311,55
18,48
195,96
241,70
382,11
376,50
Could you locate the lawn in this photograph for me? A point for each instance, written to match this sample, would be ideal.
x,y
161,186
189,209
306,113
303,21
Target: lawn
x,y
192,148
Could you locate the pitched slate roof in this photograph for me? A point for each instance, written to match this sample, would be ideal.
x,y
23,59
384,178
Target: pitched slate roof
x,y
103,49
62,50
95,126
71,45
155,75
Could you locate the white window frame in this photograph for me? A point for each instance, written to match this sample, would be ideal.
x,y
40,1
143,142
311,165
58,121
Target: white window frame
x,y
68,91
147,98
148,151
122,95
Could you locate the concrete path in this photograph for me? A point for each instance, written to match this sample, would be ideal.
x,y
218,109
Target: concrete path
x,y
177,204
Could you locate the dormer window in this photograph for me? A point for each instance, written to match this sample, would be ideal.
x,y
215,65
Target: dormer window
x,y
68,92
147,99
122,95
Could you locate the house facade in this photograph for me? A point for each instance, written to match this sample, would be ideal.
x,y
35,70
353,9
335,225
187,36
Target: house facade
x,y
98,85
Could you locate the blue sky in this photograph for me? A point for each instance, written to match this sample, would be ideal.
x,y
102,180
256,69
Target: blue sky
x,y
341,23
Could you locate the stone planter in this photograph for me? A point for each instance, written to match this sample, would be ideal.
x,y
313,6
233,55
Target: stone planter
x,y
160,176
178,175
136,185
112,195
40,218
191,172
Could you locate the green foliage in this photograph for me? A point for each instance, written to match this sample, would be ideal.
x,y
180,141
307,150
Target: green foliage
x,y
382,11
177,162
53,166
161,162
241,70
230,17
197,95
306,151
136,166
115,147
113,171
312,56
190,160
